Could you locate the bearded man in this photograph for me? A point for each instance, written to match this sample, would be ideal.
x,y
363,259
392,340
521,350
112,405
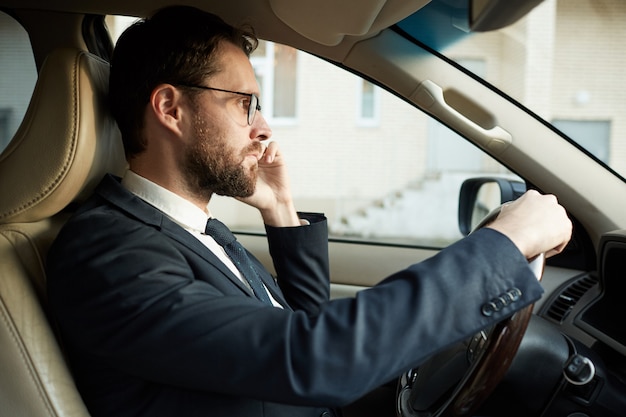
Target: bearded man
x,y
163,314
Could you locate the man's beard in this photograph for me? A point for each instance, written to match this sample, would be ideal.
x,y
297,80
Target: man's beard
x,y
211,165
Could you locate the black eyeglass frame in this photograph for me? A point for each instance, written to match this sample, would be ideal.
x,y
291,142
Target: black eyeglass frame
x,y
253,106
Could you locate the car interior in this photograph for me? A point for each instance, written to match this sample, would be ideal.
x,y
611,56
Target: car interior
x,y
67,141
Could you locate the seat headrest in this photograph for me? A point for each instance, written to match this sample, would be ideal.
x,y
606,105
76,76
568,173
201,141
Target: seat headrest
x,y
66,143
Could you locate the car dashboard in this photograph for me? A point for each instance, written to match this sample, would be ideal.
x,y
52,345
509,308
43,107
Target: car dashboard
x,y
602,317
587,312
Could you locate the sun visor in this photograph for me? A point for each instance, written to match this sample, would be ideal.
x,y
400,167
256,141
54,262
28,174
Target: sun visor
x,y
328,21
495,14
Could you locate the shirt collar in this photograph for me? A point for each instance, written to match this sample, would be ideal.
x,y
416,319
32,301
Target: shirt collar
x,y
180,210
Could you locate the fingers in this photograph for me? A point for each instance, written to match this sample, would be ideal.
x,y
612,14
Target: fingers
x,y
536,223
270,152
558,249
272,194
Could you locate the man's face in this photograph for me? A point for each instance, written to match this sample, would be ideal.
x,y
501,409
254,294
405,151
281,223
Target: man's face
x,y
213,164
223,150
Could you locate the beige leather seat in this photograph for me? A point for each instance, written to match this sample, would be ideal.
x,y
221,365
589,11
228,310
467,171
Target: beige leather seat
x,y
62,149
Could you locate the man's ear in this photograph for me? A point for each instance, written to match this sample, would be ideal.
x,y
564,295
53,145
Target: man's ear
x,y
165,105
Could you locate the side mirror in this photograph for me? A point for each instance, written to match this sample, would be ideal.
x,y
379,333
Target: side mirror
x,y
479,196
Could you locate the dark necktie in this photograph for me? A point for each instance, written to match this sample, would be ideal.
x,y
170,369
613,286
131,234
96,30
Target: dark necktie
x,y
224,237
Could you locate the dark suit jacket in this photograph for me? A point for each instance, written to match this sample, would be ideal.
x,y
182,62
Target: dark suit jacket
x,y
155,325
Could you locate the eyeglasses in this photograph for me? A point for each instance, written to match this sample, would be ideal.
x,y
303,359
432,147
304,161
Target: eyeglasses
x,y
253,105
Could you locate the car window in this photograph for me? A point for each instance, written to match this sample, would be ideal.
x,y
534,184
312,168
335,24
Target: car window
x,y
18,75
562,60
380,169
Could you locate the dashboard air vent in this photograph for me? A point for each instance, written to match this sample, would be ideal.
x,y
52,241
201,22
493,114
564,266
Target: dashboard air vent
x,y
563,304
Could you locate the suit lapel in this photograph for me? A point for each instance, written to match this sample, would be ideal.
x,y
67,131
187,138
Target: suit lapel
x,y
111,190
179,234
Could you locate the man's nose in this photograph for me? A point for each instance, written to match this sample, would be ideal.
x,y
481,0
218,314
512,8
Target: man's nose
x,y
260,129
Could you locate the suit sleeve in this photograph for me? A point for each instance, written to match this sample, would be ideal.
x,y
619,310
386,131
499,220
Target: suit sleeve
x,y
300,256
127,299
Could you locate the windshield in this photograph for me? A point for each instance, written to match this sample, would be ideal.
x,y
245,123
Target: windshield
x,y
563,61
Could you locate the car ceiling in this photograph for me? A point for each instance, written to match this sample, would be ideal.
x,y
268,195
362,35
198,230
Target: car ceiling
x,y
328,28
324,27
342,21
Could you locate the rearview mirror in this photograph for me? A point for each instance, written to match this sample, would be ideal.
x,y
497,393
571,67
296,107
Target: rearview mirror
x,y
479,196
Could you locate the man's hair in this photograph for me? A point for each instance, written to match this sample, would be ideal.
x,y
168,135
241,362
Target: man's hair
x,y
177,45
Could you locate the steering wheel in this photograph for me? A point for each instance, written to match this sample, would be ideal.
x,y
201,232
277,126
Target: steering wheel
x,y
456,382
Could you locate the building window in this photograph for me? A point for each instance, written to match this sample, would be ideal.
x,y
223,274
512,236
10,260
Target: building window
x,y
593,135
276,68
368,104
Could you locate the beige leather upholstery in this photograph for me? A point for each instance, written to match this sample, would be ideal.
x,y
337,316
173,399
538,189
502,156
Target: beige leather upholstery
x,y
64,146
64,143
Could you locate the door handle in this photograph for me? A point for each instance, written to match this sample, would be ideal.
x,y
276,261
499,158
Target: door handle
x,y
429,97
